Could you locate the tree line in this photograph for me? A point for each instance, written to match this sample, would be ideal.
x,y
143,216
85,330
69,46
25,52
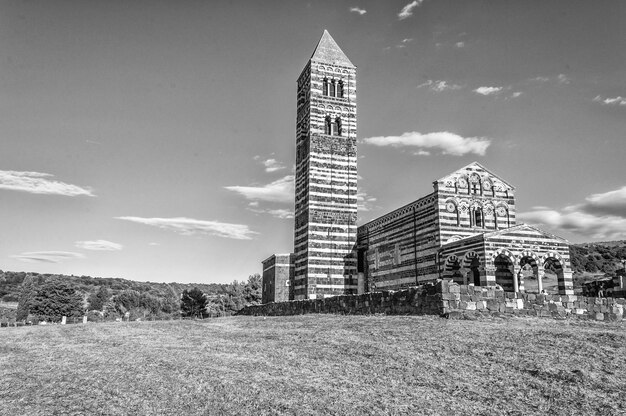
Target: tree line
x,y
48,298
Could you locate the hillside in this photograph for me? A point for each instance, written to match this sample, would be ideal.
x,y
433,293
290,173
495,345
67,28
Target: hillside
x,y
10,283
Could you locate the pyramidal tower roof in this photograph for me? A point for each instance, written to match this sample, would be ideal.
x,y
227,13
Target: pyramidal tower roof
x,y
328,51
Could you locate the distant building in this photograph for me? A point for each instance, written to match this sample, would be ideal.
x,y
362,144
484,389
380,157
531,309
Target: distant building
x,y
277,278
464,230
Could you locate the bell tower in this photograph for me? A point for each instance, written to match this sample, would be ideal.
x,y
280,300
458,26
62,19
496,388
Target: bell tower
x,y
326,175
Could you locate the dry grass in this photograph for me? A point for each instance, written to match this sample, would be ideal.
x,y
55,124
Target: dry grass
x,y
315,364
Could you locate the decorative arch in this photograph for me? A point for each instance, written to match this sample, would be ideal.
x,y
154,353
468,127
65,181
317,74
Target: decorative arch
x,y
471,262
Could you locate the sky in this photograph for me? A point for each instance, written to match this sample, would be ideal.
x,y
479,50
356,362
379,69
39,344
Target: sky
x,y
155,140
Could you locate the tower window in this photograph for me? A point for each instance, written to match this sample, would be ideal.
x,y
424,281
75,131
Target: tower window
x,y
332,126
325,86
340,89
332,88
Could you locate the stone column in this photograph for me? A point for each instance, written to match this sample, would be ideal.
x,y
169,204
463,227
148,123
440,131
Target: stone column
x,y
515,280
540,274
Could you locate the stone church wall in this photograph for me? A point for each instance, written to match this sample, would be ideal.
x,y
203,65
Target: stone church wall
x,y
451,300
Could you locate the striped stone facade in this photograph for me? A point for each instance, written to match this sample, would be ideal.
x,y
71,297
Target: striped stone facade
x,y
326,175
464,230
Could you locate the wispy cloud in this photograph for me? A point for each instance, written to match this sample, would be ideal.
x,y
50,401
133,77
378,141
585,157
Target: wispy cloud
x,y
460,44
407,11
281,190
516,94
600,216
610,101
540,79
358,10
272,165
448,143
190,226
439,86
364,201
47,256
39,183
277,213
99,245
488,90
563,79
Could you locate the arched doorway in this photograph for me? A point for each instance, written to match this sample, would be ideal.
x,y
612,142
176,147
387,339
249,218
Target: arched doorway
x,y
529,274
453,269
474,271
555,279
504,272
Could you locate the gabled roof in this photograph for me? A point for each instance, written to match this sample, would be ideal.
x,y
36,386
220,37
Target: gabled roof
x,y
523,227
329,52
505,231
475,165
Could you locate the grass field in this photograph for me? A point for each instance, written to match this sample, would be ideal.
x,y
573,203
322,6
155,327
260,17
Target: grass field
x,y
315,364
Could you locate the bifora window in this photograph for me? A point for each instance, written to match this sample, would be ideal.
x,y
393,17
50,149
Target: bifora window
x,y
332,127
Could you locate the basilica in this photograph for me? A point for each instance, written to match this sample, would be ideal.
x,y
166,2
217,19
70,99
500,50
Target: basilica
x,y
465,230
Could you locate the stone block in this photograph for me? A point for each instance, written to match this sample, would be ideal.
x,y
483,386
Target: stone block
x,y
475,297
481,305
520,303
463,290
455,289
599,316
531,297
510,295
471,306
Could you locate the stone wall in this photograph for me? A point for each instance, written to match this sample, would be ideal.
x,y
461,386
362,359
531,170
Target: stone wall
x,y
452,300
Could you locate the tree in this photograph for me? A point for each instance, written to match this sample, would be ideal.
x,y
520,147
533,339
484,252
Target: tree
x,y
54,299
193,303
252,290
97,300
25,299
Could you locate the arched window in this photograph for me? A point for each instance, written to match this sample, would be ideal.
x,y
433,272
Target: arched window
x,y
340,89
332,88
332,127
325,86
478,218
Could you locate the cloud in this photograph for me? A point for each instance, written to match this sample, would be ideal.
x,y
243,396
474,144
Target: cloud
x,y
488,90
422,153
449,143
460,44
540,79
283,214
364,201
99,245
563,79
607,203
588,225
600,216
39,183
281,190
407,11
190,226
439,86
610,101
47,256
516,94
357,10
272,165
